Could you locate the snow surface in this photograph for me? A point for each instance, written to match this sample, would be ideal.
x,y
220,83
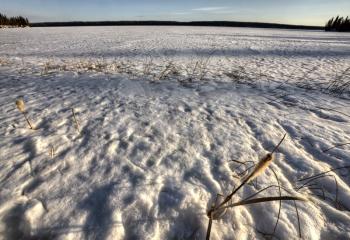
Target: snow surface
x,y
163,111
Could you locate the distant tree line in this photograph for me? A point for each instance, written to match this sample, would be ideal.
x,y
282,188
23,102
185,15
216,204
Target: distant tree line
x,y
174,23
18,21
339,24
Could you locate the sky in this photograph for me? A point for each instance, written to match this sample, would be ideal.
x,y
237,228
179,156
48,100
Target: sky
x,y
305,12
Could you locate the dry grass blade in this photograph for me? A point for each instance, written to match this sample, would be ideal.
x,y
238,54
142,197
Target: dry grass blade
x,y
218,214
323,196
75,121
213,215
264,189
323,173
29,123
52,151
279,144
263,199
335,146
244,171
310,180
279,188
307,184
280,203
297,212
209,226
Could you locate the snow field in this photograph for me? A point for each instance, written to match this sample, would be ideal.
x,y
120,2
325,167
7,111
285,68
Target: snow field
x,y
152,152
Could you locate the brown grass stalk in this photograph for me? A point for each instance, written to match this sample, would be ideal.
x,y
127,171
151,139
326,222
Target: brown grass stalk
x,y
21,107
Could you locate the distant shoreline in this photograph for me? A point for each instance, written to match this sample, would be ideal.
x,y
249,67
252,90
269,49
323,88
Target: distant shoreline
x,y
175,23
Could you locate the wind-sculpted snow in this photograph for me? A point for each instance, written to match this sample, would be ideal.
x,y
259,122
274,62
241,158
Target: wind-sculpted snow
x,y
165,116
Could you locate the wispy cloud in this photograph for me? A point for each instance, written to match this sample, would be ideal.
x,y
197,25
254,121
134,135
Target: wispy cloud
x,y
180,13
209,9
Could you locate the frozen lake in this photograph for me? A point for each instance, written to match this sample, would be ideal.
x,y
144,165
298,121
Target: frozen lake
x,y
166,118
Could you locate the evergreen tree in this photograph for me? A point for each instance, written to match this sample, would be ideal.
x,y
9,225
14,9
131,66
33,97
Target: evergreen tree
x,y
339,24
18,21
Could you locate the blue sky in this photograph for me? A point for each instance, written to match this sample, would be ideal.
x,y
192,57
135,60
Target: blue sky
x,y
308,12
